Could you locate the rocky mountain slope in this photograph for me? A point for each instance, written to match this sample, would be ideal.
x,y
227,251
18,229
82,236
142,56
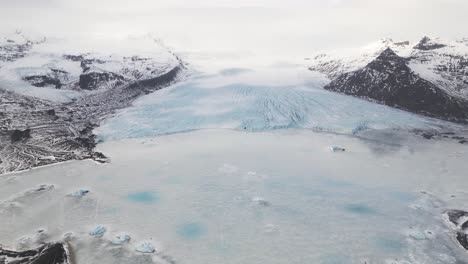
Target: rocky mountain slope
x,y
429,77
51,99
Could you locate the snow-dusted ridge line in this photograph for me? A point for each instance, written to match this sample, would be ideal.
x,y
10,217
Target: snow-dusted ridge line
x,y
36,132
445,66
439,66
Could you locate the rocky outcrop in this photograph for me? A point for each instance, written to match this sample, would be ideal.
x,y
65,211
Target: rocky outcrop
x,y
459,219
428,44
43,80
388,80
94,80
52,253
19,135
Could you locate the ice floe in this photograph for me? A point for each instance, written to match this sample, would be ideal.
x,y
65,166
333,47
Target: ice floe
x,y
121,238
79,193
336,149
145,247
98,231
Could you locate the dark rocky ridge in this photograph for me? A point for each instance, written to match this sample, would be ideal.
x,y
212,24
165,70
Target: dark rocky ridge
x,y
53,253
92,80
388,80
428,44
459,219
43,80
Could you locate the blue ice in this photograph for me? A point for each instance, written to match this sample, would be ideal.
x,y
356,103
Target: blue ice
x,y
145,247
98,231
191,106
191,230
392,245
361,209
146,197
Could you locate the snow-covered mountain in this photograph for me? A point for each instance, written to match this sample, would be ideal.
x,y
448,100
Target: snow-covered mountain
x,y
440,67
40,66
53,92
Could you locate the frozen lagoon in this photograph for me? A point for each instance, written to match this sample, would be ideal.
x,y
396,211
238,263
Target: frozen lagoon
x,y
225,196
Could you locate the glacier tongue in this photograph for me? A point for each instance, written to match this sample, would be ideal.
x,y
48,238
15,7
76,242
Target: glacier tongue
x,y
255,100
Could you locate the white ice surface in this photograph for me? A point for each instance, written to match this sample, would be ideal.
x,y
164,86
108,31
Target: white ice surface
x,y
279,197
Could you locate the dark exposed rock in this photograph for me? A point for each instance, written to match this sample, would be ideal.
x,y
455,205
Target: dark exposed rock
x,y
464,226
19,135
402,43
463,239
51,112
427,44
52,253
428,135
388,80
458,218
438,135
86,63
73,57
93,80
88,130
54,77
455,215
43,80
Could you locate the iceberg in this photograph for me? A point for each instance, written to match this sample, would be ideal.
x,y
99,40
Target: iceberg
x,y
98,231
145,247
337,149
79,193
121,239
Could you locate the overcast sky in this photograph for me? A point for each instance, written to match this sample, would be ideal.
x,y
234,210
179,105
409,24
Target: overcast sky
x,y
243,24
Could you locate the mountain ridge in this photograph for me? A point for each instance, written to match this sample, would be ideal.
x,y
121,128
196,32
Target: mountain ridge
x,y
435,72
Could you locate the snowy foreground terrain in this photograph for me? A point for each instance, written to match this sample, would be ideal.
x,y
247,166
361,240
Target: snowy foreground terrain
x,y
242,164
221,196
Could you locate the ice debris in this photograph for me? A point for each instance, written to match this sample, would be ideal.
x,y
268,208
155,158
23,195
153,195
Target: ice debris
x,y
270,228
417,235
121,239
260,201
336,149
98,231
145,247
79,193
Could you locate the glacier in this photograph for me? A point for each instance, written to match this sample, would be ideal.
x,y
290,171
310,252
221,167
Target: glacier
x,y
249,99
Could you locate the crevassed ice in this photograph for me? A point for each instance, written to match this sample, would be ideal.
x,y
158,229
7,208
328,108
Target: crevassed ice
x,y
244,103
